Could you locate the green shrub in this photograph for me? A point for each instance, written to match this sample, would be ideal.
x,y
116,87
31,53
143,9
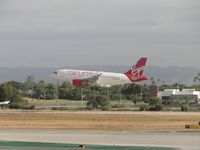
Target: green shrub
x,y
118,106
60,108
157,107
18,106
32,107
21,104
184,108
14,106
154,100
143,107
99,101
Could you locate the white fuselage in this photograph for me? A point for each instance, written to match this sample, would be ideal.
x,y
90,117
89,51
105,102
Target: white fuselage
x,y
104,78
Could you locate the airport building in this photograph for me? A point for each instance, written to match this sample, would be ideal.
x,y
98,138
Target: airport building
x,y
175,94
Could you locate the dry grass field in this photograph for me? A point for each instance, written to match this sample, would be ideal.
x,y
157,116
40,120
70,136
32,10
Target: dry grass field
x,y
73,104
97,120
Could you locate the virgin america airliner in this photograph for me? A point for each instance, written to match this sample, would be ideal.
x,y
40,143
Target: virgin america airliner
x,y
83,78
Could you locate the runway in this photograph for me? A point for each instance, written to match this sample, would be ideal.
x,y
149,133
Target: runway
x,y
183,140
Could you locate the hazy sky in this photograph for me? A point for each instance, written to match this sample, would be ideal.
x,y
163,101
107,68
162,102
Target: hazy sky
x,y
110,32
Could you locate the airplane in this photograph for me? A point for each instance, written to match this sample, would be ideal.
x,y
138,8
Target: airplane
x,y
82,78
5,103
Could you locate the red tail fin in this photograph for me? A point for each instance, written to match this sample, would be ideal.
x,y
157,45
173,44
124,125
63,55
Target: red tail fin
x,y
137,70
135,74
141,63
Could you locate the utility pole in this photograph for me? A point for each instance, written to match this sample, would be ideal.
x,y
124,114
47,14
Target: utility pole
x,y
120,94
108,92
31,93
56,94
44,94
81,94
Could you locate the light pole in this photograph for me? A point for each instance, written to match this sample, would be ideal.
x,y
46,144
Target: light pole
x,y
81,94
141,91
44,94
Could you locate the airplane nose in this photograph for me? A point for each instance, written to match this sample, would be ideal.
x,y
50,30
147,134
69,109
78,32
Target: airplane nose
x,y
54,75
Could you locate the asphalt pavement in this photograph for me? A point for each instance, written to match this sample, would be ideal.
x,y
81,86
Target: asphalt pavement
x,y
183,140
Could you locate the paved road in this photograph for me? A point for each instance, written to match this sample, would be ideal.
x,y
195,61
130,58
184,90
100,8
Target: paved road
x,y
183,140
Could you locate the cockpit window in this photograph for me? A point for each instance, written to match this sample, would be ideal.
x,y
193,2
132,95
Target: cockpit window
x,y
55,72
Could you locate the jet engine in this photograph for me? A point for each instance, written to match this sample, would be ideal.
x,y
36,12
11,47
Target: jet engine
x,y
79,83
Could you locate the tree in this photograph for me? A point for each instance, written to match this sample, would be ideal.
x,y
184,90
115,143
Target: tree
x,y
131,90
157,107
136,99
15,84
99,101
184,108
143,107
50,91
196,80
29,83
65,91
116,92
39,89
9,93
154,100
153,81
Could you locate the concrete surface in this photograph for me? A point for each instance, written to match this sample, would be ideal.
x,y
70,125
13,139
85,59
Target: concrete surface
x,y
183,140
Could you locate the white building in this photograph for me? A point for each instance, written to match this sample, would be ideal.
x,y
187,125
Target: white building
x,y
176,94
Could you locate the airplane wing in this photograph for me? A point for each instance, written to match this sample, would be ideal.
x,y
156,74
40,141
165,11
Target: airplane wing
x,y
4,103
86,82
92,80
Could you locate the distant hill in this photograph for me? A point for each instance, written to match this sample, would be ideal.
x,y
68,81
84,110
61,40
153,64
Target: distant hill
x,y
167,75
